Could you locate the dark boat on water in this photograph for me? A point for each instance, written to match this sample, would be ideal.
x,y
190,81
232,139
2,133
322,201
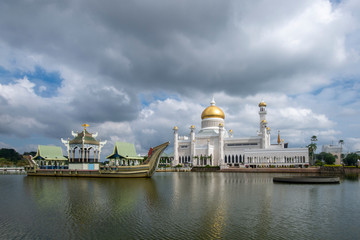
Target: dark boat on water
x,y
307,180
146,169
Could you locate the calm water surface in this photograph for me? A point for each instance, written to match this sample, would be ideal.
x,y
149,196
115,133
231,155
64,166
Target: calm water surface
x,y
177,206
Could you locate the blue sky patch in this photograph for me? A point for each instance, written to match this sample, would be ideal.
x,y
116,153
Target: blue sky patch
x,y
147,99
47,83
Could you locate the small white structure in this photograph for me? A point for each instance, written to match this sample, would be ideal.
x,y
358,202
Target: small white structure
x,y
84,150
213,145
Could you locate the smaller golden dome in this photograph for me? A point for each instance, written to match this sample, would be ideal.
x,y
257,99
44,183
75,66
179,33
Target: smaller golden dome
x,y
264,121
176,128
230,131
192,126
221,124
262,104
267,128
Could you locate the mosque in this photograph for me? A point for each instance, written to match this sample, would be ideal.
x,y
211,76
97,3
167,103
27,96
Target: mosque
x,y
213,145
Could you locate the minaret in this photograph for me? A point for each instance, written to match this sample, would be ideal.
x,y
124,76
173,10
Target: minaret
x,y
262,113
262,130
176,146
192,139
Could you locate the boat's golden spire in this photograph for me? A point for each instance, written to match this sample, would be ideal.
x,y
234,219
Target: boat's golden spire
x,y
85,126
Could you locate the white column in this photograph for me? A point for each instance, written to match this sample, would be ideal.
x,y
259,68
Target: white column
x,y
221,162
192,145
176,146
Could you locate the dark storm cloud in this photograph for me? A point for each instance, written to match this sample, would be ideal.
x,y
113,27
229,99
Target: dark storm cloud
x,y
104,104
108,53
182,46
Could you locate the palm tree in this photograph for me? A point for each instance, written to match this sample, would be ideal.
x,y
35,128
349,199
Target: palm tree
x,y
312,148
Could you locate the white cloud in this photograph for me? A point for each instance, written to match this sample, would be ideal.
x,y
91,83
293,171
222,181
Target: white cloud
x,y
301,57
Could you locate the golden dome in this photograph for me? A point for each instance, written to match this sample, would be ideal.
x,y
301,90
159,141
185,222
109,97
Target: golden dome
x,y
176,128
264,121
212,112
192,126
262,104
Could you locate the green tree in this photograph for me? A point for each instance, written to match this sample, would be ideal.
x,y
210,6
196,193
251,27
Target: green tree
x,y
351,159
319,163
10,154
313,139
312,149
328,158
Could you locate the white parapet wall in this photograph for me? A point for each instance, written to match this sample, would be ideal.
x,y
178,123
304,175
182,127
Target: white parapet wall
x,y
84,166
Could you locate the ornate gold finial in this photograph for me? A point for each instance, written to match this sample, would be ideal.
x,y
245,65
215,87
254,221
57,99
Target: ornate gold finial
x,y
279,140
85,126
262,104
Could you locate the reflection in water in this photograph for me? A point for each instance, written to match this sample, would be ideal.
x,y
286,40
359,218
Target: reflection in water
x,y
176,205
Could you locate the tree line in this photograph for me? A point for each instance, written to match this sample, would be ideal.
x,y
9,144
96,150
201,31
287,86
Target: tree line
x,y
10,157
322,158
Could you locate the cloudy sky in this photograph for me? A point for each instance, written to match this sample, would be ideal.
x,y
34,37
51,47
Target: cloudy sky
x,y
135,69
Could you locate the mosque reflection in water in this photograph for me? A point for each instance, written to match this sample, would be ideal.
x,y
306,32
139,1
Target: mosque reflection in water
x,y
169,205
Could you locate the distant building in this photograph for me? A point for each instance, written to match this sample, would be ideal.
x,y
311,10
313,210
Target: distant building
x,y
335,150
50,157
84,150
215,146
124,154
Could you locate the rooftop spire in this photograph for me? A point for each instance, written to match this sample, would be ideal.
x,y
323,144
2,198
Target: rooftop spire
x,y
212,101
279,140
85,126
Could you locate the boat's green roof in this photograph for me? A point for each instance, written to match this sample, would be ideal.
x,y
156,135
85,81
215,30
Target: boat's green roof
x,y
49,153
88,139
124,150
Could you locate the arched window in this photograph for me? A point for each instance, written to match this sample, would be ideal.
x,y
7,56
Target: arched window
x,y
225,159
232,159
237,159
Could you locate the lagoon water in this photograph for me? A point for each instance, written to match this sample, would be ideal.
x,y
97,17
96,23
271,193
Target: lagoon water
x,y
177,206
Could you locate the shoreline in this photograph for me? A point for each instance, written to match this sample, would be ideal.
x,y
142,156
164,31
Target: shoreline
x,y
319,170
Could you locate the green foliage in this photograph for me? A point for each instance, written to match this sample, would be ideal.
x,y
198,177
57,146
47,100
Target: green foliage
x,y
351,159
7,163
319,163
10,154
313,138
312,149
208,166
178,166
328,158
327,165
